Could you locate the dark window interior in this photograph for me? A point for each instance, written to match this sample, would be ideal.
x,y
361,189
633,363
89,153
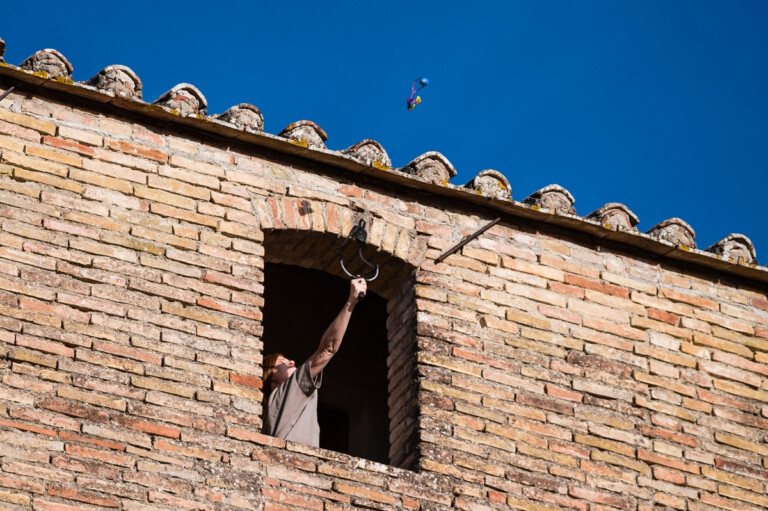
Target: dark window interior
x,y
299,304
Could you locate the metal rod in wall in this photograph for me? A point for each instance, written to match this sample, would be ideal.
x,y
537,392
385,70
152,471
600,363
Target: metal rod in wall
x,y
10,89
467,239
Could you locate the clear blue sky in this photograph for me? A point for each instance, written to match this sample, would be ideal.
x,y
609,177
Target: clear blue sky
x,y
660,105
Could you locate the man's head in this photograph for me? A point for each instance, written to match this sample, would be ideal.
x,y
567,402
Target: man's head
x,y
277,369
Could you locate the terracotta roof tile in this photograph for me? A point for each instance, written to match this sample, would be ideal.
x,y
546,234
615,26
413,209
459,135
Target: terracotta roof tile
x,y
615,216
737,247
184,99
370,153
674,231
491,183
553,197
432,167
48,61
243,116
306,134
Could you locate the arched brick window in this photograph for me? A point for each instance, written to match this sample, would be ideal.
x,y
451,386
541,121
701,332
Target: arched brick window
x,y
367,404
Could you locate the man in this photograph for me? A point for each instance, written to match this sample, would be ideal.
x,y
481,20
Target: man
x,y
290,410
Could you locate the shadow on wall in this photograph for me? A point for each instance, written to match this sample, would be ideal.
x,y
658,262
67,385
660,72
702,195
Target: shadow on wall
x,y
299,304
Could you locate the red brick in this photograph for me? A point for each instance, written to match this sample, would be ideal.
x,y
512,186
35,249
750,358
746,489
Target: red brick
x,y
599,497
149,427
177,502
562,393
485,359
607,470
694,300
732,466
247,380
560,313
233,282
83,496
729,372
69,145
41,417
218,305
359,491
351,191
74,409
78,230
36,343
565,289
104,456
86,467
11,481
251,436
94,441
163,290
601,287
91,304
271,506
293,499
759,303
495,497
44,505
666,317
74,116
136,149
667,461
232,256
740,362
718,399
672,436
128,352
14,130
27,427
187,450
668,475
569,448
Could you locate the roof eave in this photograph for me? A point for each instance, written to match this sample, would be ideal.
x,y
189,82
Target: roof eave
x,y
338,160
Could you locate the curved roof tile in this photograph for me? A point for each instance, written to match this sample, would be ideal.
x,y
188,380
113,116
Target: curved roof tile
x,y
306,134
370,153
675,231
49,61
432,166
616,216
492,183
120,80
244,116
184,98
553,197
737,247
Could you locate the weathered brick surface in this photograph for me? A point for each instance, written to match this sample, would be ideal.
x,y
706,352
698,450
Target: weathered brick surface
x,y
531,370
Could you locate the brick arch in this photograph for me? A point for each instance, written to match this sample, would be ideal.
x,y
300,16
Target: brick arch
x,y
306,233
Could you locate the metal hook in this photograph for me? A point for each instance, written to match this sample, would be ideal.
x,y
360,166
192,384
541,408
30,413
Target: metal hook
x,y
359,234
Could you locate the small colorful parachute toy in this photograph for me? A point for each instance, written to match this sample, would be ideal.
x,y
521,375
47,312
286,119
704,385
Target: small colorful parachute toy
x,y
413,101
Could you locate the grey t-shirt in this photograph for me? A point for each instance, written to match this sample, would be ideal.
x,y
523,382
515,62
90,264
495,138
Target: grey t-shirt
x,y
291,412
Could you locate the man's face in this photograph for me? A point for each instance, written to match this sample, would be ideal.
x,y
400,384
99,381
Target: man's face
x,y
284,368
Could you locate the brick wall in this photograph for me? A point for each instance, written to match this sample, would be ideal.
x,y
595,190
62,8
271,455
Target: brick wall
x,y
538,368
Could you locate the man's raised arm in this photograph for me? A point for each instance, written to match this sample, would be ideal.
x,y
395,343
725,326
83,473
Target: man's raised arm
x,y
331,340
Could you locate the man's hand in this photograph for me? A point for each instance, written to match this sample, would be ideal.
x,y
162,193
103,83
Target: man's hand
x,y
357,289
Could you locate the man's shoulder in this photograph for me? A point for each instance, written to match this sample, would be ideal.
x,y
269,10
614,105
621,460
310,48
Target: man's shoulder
x,y
304,378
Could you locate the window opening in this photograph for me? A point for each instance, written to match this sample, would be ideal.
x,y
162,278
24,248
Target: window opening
x,y
299,304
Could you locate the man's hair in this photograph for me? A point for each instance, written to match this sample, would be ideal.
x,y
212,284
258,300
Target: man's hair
x,y
269,371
